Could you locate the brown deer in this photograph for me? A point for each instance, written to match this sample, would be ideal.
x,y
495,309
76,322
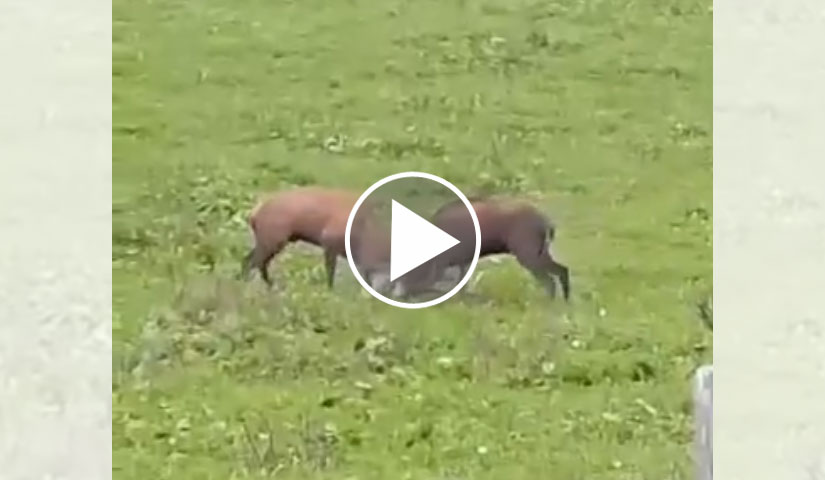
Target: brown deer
x,y
317,216
507,227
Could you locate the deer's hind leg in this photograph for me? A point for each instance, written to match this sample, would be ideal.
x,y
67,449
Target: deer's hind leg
x,y
330,265
544,268
554,270
259,258
563,274
334,245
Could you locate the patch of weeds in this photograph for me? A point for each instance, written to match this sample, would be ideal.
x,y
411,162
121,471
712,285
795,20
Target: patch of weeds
x,y
397,149
705,311
317,444
308,446
646,149
415,103
541,41
543,10
509,182
664,71
136,132
130,241
210,319
258,450
687,134
253,333
335,143
210,215
418,432
532,132
531,371
698,219
591,368
219,203
386,354
284,174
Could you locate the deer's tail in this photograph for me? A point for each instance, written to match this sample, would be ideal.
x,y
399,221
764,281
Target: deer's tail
x,y
549,234
251,221
550,229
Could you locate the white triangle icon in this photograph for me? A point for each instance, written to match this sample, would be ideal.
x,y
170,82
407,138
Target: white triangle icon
x,y
414,240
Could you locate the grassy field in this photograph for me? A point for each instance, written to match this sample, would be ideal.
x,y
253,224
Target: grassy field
x,y
598,111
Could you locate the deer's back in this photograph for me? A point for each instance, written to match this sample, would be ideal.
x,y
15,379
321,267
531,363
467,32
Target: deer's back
x,y
500,220
304,213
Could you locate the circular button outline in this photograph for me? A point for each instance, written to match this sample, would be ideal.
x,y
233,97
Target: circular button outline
x,y
476,227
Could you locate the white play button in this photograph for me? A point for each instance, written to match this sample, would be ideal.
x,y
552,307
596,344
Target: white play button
x,y
414,240
394,231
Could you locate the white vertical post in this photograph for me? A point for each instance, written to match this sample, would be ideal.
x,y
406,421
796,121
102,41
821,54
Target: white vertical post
x,y
703,413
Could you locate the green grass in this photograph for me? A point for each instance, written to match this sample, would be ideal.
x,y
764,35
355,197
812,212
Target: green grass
x,y
598,111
